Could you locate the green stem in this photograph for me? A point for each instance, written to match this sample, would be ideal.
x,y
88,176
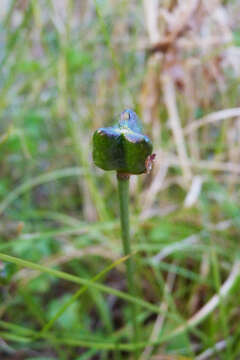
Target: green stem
x,y
123,189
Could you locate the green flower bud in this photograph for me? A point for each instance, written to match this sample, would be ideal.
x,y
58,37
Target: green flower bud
x,y
124,147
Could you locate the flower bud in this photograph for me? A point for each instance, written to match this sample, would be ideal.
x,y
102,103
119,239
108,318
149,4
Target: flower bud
x,y
124,147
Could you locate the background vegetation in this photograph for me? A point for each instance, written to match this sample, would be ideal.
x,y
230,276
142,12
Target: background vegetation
x,y
67,68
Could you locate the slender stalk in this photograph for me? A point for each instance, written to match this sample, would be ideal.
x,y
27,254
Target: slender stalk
x,y
123,189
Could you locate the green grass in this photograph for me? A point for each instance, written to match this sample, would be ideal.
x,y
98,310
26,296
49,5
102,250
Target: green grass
x,y
63,292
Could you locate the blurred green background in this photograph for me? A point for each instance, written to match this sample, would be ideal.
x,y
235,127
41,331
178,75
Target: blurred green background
x,y
66,68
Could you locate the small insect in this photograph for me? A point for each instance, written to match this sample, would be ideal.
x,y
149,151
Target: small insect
x,y
149,163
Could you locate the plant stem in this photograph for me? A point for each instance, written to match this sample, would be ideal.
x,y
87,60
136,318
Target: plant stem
x,y
123,189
